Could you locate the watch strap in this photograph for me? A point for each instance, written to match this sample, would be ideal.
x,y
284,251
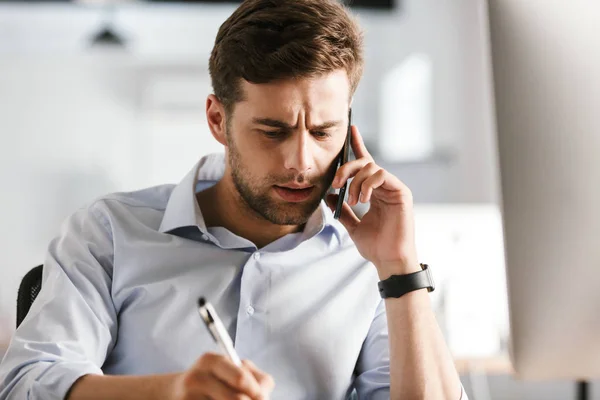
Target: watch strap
x,y
398,285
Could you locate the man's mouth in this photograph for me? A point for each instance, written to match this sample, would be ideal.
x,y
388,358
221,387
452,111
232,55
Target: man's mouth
x,y
294,194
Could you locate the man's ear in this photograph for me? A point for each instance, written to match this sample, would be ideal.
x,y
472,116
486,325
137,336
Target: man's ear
x,y
216,118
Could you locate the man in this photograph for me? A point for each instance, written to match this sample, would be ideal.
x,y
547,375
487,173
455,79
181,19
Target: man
x,y
296,289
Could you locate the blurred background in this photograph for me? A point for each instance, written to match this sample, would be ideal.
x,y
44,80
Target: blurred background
x,y
101,96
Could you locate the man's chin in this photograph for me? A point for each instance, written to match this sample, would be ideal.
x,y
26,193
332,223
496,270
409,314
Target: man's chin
x,y
285,213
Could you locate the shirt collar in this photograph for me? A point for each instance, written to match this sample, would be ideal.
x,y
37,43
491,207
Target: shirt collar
x,y
183,210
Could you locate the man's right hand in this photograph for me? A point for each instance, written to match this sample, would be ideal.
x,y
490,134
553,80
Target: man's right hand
x,y
216,377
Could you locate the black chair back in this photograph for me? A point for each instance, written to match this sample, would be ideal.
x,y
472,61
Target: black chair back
x,y
28,290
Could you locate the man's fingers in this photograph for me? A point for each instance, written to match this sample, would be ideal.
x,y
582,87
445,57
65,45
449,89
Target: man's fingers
x,y
215,389
264,380
348,218
348,171
356,187
371,183
358,145
239,379
351,168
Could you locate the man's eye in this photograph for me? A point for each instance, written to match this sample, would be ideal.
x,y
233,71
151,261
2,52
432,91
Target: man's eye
x,y
321,135
272,134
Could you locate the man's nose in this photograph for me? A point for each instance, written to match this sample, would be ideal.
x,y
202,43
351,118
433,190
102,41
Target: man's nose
x,y
298,154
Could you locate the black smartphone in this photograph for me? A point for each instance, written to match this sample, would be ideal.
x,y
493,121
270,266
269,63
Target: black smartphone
x,y
343,159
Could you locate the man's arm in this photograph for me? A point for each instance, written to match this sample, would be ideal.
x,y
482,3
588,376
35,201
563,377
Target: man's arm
x,y
421,365
72,324
374,379
101,387
213,376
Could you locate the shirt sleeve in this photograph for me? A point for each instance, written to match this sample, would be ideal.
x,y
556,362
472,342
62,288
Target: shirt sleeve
x,y
373,366
72,324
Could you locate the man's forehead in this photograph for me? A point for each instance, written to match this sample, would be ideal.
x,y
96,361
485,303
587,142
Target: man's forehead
x,y
332,85
322,97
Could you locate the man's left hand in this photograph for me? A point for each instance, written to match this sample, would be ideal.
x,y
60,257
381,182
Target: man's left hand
x,y
385,234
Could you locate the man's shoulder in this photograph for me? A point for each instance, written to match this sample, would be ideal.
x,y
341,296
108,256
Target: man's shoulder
x,y
155,197
134,205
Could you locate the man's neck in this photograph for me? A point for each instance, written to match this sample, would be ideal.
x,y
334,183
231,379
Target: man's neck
x,y
222,206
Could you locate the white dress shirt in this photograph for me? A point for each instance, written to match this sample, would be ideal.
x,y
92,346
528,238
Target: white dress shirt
x,y
120,289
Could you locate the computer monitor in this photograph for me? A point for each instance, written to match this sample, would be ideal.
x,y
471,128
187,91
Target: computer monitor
x,y
546,68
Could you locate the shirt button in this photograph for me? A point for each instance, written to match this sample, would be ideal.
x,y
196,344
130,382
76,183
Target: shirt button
x,y
204,237
257,256
250,310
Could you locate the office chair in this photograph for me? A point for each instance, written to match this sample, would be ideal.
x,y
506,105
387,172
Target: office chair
x,y
30,286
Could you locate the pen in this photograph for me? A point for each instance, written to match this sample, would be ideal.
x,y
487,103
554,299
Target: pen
x,y
217,330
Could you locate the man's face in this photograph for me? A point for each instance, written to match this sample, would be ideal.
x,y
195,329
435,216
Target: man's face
x,y
283,142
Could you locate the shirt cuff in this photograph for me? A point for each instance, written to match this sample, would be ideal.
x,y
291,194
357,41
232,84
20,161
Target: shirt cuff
x,y
55,382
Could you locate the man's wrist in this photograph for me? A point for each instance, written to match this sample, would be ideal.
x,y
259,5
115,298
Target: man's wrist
x,y
387,269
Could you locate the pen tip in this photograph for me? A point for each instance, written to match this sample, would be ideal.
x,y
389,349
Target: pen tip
x,y
201,302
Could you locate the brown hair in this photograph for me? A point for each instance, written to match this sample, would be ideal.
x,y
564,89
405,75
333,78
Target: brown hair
x,y
269,40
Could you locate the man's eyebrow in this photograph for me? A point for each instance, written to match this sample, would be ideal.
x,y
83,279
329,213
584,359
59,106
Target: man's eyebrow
x,y
273,123
282,125
327,125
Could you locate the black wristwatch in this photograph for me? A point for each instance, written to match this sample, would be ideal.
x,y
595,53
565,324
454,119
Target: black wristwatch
x,y
399,285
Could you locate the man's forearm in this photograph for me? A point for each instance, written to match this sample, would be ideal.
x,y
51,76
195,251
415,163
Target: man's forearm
x,y
102,387
421,366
